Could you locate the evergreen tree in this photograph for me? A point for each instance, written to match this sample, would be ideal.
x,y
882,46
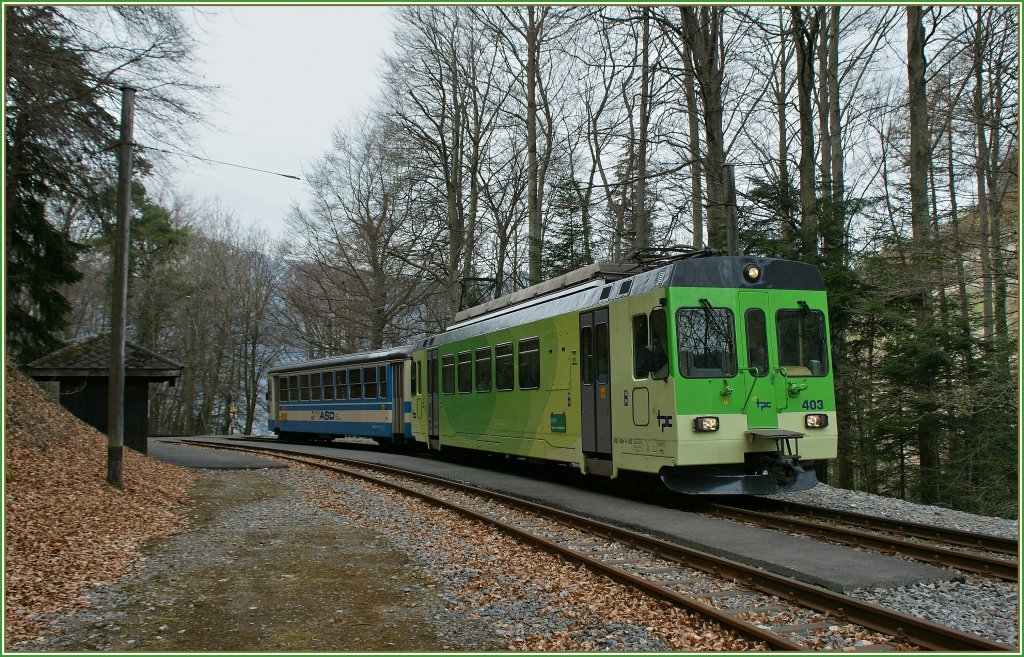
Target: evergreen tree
x,y
769,222
39,261
565,247
62,76
154,233
53,123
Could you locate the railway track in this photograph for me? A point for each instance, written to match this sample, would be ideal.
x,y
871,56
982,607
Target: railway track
x,y
783,613
989,556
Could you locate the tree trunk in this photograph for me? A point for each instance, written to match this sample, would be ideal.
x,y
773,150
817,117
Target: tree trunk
x,y
804,36
920,155
961,276
981,164
642,222
785,179
533,190
995,188
836,132
697,212
702,30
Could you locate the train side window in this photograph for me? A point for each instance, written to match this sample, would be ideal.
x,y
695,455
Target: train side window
x,y
587,355
304,387
529,364
448,374
293,387
465,371
328,385
802,344
414,370
419,377
355,383
641,358
602,354
341,384
382,378
370,382
432,376
504,368
707,342
314,386
282,388
757,341
659,343
483,369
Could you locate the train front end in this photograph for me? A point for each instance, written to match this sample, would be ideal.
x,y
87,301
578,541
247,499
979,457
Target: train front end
x,y
753,387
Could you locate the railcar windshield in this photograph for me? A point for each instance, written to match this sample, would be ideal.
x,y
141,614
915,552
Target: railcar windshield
x,y
803,349
707,342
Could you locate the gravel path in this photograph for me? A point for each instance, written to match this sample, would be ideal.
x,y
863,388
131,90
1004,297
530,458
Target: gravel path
x,y
262,568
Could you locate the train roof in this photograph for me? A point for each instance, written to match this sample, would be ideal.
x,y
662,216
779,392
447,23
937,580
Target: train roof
x,y
376,356
603,271
603,282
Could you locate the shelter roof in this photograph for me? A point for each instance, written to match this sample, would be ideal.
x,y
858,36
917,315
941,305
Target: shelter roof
x,y
90,357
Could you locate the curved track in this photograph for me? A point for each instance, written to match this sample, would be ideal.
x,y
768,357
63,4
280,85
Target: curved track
x,y
743,599
989,556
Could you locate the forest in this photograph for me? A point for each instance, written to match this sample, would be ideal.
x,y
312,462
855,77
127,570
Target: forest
x,y
512,144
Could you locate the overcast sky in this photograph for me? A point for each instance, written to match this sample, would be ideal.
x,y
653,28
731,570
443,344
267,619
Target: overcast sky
x,y
289,75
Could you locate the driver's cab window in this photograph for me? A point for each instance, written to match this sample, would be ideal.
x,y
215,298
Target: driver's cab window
x,y
803,349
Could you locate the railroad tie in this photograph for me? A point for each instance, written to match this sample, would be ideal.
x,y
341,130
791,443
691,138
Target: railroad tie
x,y
875,647
766,609
659,571
714,595
801,628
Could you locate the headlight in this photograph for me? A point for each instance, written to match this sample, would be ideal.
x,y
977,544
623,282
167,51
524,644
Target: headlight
x,y
703,424
816,421
752,273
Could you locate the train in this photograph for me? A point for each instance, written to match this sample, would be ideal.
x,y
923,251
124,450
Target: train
x,y
711,373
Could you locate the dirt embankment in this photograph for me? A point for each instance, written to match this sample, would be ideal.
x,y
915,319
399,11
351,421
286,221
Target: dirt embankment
x,y
66,529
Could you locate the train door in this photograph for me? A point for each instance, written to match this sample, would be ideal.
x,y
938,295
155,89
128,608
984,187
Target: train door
x,y
274,394
759,402
397,401
595,383
433,401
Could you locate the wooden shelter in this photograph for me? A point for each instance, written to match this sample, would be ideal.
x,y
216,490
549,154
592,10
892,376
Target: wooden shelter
x,y
82,370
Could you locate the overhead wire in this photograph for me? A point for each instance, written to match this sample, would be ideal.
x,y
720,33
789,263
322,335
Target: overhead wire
x,y
229,164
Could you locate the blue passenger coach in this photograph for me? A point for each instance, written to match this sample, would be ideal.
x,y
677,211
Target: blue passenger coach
x,y
365,394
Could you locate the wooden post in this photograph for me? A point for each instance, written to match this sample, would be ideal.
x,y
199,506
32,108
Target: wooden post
x,y
119,293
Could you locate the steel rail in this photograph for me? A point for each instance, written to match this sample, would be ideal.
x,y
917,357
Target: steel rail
x,y
985,542
904,627
975,563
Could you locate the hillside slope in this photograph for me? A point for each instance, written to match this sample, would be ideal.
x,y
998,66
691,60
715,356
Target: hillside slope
x,y
65,528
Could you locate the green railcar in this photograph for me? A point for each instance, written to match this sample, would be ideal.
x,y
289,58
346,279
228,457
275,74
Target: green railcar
x,y
713,373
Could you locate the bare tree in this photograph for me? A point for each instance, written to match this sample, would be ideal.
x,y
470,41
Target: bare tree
x,y
806,25
355,232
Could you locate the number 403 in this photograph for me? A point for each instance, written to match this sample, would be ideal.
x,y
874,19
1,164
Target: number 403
x,y
813,405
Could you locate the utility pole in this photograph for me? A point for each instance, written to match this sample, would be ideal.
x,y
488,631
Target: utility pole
x,y
119,293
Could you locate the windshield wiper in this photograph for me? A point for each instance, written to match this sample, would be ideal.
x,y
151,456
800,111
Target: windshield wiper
x,y
712,318
818,325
